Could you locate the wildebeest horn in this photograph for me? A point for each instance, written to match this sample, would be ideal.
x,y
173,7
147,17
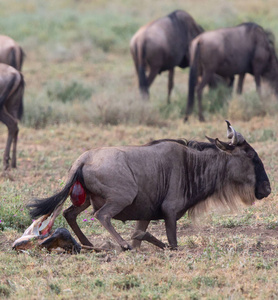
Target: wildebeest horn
x,y
233,135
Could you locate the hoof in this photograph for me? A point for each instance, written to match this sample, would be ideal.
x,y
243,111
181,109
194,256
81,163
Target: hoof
x,y
126,247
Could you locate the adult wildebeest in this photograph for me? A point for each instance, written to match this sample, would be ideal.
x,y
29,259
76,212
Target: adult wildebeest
x,y
11,107
162,45
245,48
159,180
11,53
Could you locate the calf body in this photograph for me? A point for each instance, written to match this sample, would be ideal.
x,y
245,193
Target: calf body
x,y
160,180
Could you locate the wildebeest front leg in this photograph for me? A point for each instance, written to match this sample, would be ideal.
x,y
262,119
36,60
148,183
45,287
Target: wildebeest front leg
x,y
146,236
70,214
141,226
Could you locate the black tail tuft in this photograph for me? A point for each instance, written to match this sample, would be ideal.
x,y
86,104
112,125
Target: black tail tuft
x,y
193,74
7,91
40,207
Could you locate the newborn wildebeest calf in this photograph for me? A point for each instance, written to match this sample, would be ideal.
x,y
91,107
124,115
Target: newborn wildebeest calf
x,y
160,180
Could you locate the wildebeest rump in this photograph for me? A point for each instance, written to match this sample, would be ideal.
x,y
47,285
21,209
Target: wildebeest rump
x,y
246,48
160,180
162,45
11,53
11,107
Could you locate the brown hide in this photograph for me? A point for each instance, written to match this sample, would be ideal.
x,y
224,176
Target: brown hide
x,y
11,108
160,180
245,48
161,46
11,53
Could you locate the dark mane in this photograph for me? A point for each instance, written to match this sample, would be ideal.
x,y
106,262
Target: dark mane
x,y
200,146
179,141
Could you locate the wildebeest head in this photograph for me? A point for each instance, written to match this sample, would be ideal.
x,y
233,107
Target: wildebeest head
x,y
239,145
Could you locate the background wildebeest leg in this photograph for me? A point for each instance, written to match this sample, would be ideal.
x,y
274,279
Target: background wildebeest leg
x,y
170,83
153,72
240,83
140,226
205,79
63,239
258,82
104,215
70,214
11,123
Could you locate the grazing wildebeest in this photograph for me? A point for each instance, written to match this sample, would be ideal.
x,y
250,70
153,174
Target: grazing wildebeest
x,y
245,48
162,45
11,107
11,53
160,180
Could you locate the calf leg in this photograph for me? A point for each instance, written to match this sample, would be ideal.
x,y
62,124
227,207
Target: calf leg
x,y
63,239
71,214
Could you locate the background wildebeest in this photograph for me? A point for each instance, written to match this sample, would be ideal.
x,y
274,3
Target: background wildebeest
x,y
162,45
246,48
11,107
160,180
11,53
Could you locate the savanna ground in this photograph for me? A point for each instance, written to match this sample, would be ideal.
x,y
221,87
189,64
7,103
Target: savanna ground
x,y
81,92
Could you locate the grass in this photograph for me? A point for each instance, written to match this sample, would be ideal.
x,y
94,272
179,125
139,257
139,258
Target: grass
x,y
81,92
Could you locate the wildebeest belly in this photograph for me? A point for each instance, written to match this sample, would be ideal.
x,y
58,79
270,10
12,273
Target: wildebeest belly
x,y
132,212
230,67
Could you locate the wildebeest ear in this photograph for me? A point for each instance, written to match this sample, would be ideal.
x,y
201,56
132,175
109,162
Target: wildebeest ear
x,y
211,140
223,146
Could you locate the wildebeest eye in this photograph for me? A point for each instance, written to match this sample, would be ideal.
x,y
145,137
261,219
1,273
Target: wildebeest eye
x,y
250,153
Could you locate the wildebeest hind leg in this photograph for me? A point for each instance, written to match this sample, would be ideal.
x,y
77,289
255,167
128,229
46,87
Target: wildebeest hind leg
x,y
14,149
11,123
205,79
70,214
240,83
104,215
170,83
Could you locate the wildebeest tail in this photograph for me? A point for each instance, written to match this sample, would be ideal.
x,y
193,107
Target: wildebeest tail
x,y
7,91
12,56
193,74
20,92
21,58
40,207
140,56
